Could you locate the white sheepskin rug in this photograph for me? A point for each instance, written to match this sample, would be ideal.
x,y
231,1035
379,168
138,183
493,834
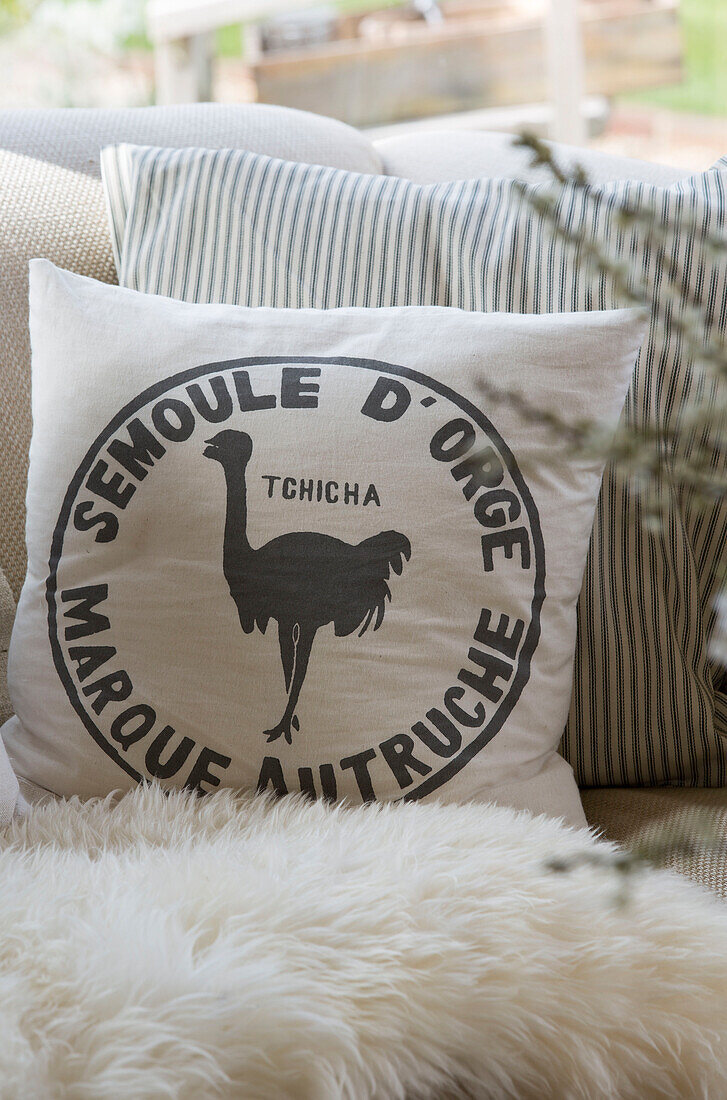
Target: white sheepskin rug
x,y
236,946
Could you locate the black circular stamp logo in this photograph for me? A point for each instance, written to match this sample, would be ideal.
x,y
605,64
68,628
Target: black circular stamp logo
x,y
306,574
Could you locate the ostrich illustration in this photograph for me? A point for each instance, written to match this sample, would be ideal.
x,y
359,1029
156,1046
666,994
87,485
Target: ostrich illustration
x,y
303,580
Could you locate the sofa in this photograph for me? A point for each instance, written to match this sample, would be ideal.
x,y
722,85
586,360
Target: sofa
x,y
53,206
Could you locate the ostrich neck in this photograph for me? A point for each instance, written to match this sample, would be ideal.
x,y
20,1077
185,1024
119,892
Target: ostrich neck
x,y
236,518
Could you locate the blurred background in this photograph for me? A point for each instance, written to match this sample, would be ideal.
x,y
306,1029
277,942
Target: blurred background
x,y
644,78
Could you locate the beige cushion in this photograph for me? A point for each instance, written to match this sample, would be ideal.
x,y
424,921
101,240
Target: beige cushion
x,y
251,711
624,815
8,782
437,156
52,206
7,613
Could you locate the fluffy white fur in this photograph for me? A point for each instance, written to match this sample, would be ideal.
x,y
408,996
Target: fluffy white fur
x,y
239,947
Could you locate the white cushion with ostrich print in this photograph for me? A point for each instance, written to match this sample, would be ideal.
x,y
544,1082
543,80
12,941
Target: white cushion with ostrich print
x,y
302,550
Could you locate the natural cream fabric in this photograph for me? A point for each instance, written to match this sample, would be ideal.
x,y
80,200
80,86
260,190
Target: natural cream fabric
x,y
10,802
8,782
7,614
233,946
649,704
303,549
52,206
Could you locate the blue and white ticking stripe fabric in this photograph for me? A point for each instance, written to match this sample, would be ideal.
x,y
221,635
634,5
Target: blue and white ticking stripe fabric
x,y
230,226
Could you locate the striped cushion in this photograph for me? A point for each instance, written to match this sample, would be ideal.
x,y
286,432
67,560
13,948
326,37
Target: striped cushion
x,y
231,226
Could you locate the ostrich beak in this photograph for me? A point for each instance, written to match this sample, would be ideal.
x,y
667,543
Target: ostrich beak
x,y
211,450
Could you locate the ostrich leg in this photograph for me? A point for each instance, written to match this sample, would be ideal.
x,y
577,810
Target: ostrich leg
x,y
287,650
303,646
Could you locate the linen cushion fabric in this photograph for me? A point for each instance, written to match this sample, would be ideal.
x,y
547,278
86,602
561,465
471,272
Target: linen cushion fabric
x,y
647,706
52,205
299,549
8,782
7,614
9,790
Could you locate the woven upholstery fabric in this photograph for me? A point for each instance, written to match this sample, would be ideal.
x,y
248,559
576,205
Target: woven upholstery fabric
x,y
626,815
52,206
